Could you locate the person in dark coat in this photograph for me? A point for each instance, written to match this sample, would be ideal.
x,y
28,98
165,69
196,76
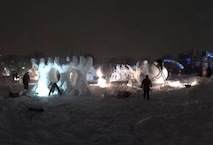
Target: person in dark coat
x,y
54,86
146,84
26,80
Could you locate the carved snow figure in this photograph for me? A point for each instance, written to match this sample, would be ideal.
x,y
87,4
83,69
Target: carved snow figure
x,y
121,73
139,72
76,76
70,77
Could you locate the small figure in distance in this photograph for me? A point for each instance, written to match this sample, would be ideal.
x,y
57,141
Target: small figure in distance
x,y
146,84
26,80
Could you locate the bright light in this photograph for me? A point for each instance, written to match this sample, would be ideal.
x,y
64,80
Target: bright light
x,y
178,84
42,90
175,84
16,78
194,83
99,73
101,81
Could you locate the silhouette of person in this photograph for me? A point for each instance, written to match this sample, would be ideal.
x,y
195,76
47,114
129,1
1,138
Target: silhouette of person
x,y
26,80
146,84
53,87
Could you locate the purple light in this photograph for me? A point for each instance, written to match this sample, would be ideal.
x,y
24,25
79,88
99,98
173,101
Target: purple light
x,y
188,60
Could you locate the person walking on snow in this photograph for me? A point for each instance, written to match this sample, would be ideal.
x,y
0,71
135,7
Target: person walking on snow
x,y
146,84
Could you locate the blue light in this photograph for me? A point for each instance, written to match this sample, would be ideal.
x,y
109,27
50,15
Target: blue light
x,y
188,60
210,55
175,62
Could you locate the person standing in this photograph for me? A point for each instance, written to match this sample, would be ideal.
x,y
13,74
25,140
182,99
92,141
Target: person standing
x,y
26,80
146,84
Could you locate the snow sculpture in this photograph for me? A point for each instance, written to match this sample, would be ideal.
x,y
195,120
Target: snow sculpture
x,y
138,72
157,75
121,73
70,77
95,76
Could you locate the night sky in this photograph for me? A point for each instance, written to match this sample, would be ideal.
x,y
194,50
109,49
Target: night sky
x,y
105,28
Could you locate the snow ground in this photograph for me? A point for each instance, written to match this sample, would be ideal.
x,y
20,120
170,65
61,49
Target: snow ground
x,y
171,117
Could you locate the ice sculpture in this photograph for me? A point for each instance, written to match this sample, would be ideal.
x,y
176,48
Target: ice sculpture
x,y
138,72
70,77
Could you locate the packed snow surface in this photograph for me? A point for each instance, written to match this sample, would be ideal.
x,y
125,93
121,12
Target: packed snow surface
x,y
172,116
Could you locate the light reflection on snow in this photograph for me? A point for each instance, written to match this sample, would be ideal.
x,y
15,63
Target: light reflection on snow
x,y
194,83
178,84
175,84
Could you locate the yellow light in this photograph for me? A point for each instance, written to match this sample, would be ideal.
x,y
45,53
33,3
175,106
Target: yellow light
x,y
101,81
194,83
176,84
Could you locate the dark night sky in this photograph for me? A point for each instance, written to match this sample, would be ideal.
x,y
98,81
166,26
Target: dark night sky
x,y
105,28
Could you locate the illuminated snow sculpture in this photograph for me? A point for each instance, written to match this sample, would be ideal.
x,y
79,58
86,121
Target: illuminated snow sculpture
x,y
70,77
157,75
95,76
128,73
121,73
